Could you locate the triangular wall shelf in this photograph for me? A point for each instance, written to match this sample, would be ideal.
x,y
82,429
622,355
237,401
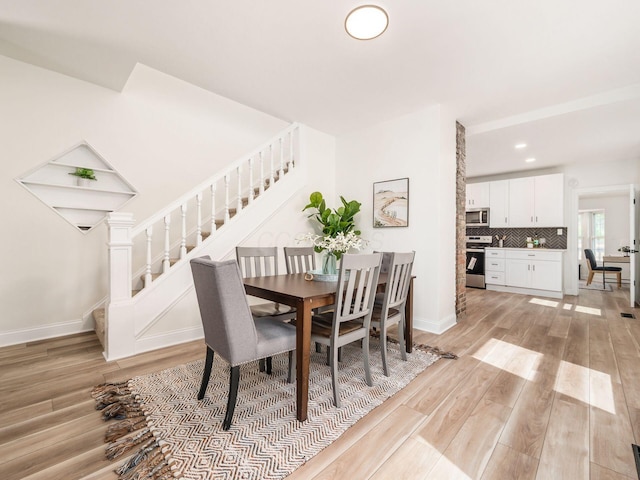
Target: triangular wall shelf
x,y
82,206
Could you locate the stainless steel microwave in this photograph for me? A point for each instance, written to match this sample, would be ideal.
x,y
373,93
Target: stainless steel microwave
x,y
478,217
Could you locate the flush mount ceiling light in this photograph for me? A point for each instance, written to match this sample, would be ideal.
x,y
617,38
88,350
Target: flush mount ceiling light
x,y
520,146
366,22
529,160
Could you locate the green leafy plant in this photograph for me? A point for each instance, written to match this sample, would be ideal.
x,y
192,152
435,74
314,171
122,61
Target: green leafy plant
x,y
340,220
84,173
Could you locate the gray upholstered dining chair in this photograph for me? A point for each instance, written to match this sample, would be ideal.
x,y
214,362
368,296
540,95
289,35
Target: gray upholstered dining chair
x,y
229,327
392,310
299,259
260,262
350,319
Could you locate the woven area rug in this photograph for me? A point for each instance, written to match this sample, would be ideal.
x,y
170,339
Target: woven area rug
x,y
170,434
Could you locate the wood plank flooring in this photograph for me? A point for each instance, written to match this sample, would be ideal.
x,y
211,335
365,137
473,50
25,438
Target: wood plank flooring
x,y
543,389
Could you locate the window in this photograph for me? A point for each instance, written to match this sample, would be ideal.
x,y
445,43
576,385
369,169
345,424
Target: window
x,y
591,230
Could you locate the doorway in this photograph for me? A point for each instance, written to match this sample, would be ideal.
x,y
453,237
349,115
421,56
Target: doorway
x,y
604,219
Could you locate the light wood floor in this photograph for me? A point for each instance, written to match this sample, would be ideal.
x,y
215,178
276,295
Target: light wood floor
x,y
544,390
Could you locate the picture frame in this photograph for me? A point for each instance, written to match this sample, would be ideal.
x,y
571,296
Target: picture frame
x,y
391,203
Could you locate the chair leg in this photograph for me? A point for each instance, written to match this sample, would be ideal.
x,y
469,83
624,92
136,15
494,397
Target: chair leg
x,y
619,275
206,374
234,379
365,354
590,278
269,365
401,342
334,376
291,377
261,365
383,349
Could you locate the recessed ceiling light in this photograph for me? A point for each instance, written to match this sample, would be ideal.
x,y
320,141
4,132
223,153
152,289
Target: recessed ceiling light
x,y
529,160
520,146
366,22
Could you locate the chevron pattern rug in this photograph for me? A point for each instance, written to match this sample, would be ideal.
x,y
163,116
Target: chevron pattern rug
x,y
168,433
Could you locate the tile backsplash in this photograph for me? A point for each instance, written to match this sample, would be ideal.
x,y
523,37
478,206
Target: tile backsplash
x,y
517,237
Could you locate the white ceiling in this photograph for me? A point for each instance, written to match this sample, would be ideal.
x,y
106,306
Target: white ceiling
x,y
562,76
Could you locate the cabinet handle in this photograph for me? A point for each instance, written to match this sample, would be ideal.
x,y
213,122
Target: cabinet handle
x,y
505,219
528,267
531,218
536,219
534,268
531,254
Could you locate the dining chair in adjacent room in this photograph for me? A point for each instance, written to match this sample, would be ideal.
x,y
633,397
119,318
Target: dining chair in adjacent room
x,y
594,268
229,327
299,259
392,310
261,262
350,319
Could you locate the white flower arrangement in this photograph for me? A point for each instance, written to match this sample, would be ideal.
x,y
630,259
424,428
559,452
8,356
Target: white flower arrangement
x,y
338,245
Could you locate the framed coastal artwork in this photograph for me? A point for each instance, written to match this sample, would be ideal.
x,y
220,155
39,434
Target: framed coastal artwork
x,y
391,203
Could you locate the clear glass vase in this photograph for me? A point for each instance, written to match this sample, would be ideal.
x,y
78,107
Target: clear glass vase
x,y
329,263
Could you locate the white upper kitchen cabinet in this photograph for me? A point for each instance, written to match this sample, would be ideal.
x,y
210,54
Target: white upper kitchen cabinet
x,y
499,204
549,200
536,201
521,202
477,195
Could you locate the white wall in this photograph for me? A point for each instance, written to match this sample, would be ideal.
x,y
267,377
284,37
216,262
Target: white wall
x,y
420,146
163,135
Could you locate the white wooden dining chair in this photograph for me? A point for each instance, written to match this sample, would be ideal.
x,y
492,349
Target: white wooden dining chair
x,y
350,319
299,259
260,262
392,310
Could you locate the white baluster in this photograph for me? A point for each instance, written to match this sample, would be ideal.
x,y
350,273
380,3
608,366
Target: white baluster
x,y
239,203
227,217
199,219
166,260
213,208
147,272
183,235
281,173
261,174
251,192
271,171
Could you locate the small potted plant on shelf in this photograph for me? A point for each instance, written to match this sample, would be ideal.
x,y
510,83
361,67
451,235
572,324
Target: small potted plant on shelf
x,y
84,176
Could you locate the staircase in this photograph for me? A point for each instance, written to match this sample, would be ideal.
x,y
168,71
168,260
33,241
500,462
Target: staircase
x,y
149,264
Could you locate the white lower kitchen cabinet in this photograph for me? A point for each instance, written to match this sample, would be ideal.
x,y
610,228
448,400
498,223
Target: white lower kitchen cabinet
x,y
533,272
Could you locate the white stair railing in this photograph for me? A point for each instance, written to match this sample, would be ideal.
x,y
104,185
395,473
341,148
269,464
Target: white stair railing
x,y
157,255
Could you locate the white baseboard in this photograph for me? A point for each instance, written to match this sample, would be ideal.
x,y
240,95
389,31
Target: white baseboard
x,y
433,326
43,332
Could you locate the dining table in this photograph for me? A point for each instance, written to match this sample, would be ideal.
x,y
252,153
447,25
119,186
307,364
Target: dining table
x,y
305,296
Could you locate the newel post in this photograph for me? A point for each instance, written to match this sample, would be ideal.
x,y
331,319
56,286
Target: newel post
x,y
119,323
120,245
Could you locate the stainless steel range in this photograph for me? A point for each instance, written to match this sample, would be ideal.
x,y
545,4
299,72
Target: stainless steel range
x,y
475,259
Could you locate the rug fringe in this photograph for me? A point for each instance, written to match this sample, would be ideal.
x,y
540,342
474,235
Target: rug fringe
x,y
421,346
149,462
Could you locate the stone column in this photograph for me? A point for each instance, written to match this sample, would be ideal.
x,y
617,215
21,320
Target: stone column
x,y
461,193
